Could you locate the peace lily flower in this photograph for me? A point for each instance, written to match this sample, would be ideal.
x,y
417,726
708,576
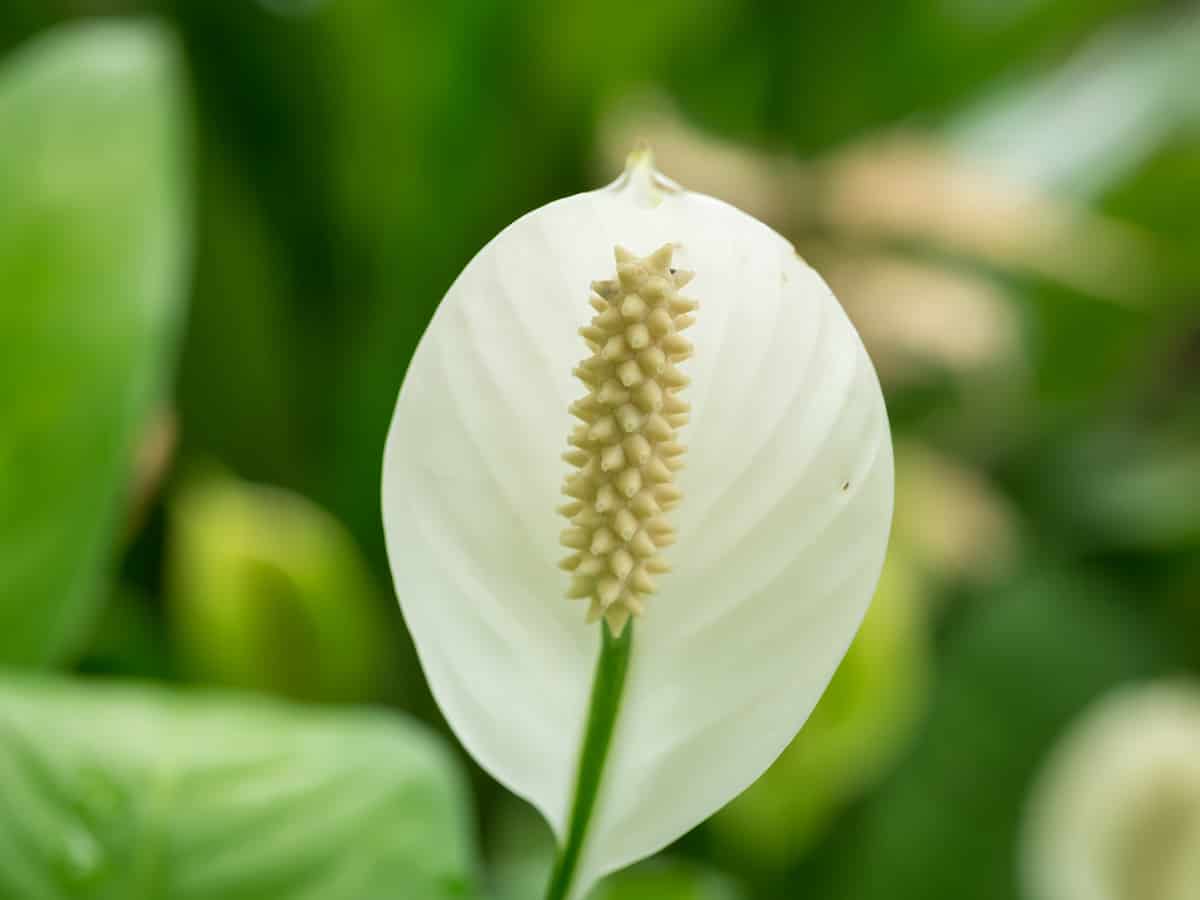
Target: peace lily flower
x,y
728,489
1115,815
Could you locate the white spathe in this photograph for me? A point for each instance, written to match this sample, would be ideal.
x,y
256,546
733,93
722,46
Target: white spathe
x,y
782,529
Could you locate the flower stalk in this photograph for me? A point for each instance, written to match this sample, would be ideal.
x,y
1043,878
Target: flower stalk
x,y
607,687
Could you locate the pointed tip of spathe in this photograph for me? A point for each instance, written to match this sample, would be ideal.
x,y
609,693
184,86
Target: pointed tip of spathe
x,y
646,185
640,156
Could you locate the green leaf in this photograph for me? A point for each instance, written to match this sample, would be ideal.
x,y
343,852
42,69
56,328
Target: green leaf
x,y
658,879
668,880
127,792
93,237
1093,121
268,591
236,391
1125,491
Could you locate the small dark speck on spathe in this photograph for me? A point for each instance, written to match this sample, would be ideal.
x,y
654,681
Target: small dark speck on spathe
x,y
845,486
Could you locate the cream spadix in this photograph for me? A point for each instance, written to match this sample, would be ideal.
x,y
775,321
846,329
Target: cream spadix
x,y
625,451
778,542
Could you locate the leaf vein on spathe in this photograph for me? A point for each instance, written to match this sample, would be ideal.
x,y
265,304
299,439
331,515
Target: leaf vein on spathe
x,y
740,490
453,358
715,620
801,382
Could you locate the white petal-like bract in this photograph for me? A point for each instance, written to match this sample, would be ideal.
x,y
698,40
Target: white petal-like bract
x,y
781,534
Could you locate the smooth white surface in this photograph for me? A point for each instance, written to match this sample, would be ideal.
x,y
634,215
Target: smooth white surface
x,y
782,530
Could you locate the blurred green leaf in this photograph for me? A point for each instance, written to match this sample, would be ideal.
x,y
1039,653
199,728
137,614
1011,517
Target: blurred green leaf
x,y
668,880
124,793
1127,491
239,357
660,879
128,639
520,851
812,75
1150,196
269,591
1088,124
93,238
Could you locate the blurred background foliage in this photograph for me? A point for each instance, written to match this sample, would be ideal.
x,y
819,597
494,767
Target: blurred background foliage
x,y
223,228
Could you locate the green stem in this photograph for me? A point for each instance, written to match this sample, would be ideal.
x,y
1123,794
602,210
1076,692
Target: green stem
x,y
602,719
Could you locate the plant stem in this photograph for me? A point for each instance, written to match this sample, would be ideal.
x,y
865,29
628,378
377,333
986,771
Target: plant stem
x,y
607,686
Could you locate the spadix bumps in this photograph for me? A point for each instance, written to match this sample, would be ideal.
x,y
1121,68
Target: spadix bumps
x,y
625,450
